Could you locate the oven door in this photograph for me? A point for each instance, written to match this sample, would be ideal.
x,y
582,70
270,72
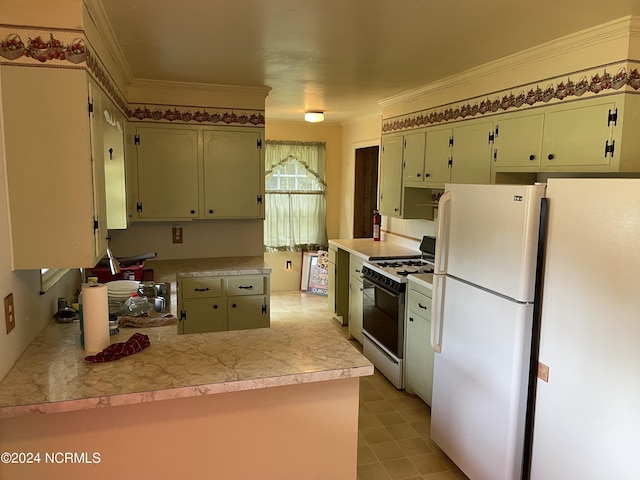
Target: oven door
x,y
383,317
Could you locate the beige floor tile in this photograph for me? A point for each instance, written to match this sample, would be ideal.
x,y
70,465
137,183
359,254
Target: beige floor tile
x,y
366,455
376,435
390,418
414,446
429,463
387,451
373,471
402,431
400,469
378,406
369,421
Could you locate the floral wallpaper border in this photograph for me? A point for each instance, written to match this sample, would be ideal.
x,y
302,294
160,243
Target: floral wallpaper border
x,y
62,48
588,82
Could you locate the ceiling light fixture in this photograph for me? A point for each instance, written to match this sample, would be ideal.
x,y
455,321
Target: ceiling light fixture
x,y
314,117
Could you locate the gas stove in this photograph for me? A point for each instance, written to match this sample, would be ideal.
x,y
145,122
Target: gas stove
x,y
392,274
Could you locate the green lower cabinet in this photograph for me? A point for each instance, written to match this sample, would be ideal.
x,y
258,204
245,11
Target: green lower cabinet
x,y
214,304
247,312
419,356
203,315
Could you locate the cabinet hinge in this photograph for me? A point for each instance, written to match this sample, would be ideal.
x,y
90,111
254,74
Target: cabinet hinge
x,y
404,143
183,315
90,108
491,138
264,309
496,131
613,117
259,199
136,139
450,162
451,141
608,149
139,207
495,154
96,225
259,143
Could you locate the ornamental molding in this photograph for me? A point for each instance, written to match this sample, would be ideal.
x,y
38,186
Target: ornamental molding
x,y
69,48
576,85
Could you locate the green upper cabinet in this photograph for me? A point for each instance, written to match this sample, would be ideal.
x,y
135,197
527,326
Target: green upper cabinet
x,y
578,134
518,140
52,144
167,172
391,175
413,158
188,173
471,152
438,155
233,174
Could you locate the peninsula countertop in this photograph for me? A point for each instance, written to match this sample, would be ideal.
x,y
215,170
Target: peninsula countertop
x,y
171,270
370,249
52,375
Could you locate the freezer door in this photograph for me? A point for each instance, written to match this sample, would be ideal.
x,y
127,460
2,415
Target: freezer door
x,y
480,380
488,236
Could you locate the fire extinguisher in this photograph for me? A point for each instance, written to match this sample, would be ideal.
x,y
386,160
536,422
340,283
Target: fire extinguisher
x,y
377,220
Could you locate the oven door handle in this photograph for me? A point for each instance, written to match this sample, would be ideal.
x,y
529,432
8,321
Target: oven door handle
x,y
367,283
436,313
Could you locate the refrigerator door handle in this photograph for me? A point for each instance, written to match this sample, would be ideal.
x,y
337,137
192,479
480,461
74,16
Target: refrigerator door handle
x,y
436,313
440,259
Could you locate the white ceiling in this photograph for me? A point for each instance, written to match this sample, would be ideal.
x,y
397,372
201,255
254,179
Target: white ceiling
x,y
339,56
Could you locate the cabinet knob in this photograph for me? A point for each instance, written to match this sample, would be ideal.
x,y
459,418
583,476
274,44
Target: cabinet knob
x,y
193,212
233,305
215,306
396,209
532,157
417,175
427,175
411,319
210,210
551,156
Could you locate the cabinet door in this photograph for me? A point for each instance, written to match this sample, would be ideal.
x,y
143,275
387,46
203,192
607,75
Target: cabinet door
x,y
472,153
247,312
233,174
518,141
113,152
437,156
413,158
577,135
167,172
419,356
203,315
391,176
355,308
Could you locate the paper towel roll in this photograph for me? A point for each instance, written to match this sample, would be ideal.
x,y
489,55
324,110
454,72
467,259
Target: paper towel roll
x,y
95,314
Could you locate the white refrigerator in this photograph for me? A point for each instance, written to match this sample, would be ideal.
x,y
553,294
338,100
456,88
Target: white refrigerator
x,y
482,314
587,415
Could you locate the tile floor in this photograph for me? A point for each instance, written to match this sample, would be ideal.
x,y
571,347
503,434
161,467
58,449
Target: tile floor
x,y
393,432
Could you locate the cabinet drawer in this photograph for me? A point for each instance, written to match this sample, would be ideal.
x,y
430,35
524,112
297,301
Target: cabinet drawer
x,y
204,287
250,285
419,303
355,266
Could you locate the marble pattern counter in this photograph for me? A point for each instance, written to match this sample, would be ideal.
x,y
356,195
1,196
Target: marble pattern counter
x,y
52,376
171,270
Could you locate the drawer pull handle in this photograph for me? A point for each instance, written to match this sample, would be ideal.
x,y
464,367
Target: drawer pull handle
x,y
246,288
422,306
201,289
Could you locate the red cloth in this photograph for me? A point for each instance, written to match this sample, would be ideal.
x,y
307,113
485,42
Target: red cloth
x,y
116,351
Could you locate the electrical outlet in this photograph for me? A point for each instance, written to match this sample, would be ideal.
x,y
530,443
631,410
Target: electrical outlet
x,y
9,313
176,233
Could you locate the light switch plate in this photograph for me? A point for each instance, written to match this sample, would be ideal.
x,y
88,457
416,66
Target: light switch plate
x,y
9,313
176,233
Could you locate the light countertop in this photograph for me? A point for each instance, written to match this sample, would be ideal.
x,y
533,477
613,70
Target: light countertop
x,y
171,270
371,250
424,279
52,376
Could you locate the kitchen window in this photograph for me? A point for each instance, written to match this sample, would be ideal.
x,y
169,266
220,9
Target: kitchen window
x,y
295,205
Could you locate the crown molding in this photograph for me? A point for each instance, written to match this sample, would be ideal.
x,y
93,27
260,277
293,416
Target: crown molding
x,y
96,11
615,29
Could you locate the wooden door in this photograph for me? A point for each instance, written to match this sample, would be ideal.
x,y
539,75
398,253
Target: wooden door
x,y
365,191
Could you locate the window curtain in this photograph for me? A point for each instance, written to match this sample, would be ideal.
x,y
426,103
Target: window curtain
x,y
295,211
